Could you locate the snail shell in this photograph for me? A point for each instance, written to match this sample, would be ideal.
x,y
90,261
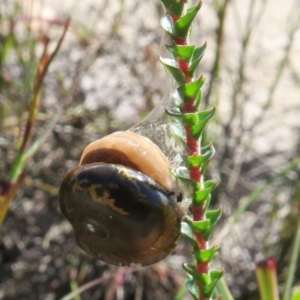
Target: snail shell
x,y
119,201
133,151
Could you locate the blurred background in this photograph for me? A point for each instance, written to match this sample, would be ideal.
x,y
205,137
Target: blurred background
x,y
107,77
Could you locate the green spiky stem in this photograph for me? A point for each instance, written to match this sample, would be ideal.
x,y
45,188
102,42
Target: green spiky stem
x,y
177,22
194,149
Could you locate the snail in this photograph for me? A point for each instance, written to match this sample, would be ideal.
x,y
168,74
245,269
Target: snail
x,y
120,201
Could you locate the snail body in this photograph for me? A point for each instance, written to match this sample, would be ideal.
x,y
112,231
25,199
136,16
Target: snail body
x,y
120,201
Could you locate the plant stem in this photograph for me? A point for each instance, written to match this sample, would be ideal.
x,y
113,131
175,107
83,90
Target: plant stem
x,y
215,71
17,175
267,279
177,22
293,262
93,283
194,148
251,198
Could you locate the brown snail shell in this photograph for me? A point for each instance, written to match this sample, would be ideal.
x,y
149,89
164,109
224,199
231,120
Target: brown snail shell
x,y
119,201
133,151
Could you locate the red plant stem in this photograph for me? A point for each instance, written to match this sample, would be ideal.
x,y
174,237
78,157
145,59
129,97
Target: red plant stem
x,y
194,149
267,264
118,281
17,175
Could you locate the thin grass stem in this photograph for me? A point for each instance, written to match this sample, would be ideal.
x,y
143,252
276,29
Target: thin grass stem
x,y
93,283
251,199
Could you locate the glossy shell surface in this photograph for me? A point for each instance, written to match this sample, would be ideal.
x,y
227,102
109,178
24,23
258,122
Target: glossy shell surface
x,y
120,215
133,151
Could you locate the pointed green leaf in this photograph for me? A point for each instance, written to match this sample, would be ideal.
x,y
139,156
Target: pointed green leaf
x,y
211,154
192,287
214,215
197,130
184,52
208,233
198,99
174,6
174,112
197,186
202,279
187,231
205,255
189,268
210,184
202,195
183,25
207,202
209,151
195,160
215,275
198,160
171,66
197,56
190,90
190,119
198,226
167,24
204,116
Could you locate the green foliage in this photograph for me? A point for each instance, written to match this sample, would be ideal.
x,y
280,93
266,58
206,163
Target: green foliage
x,y
205,255
202,119
201,195
181,51
196,58
34,76
173,6
222,290
182,66
267,279
201,161
183,25
18,93
190,90
171,66
296,295
192,287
